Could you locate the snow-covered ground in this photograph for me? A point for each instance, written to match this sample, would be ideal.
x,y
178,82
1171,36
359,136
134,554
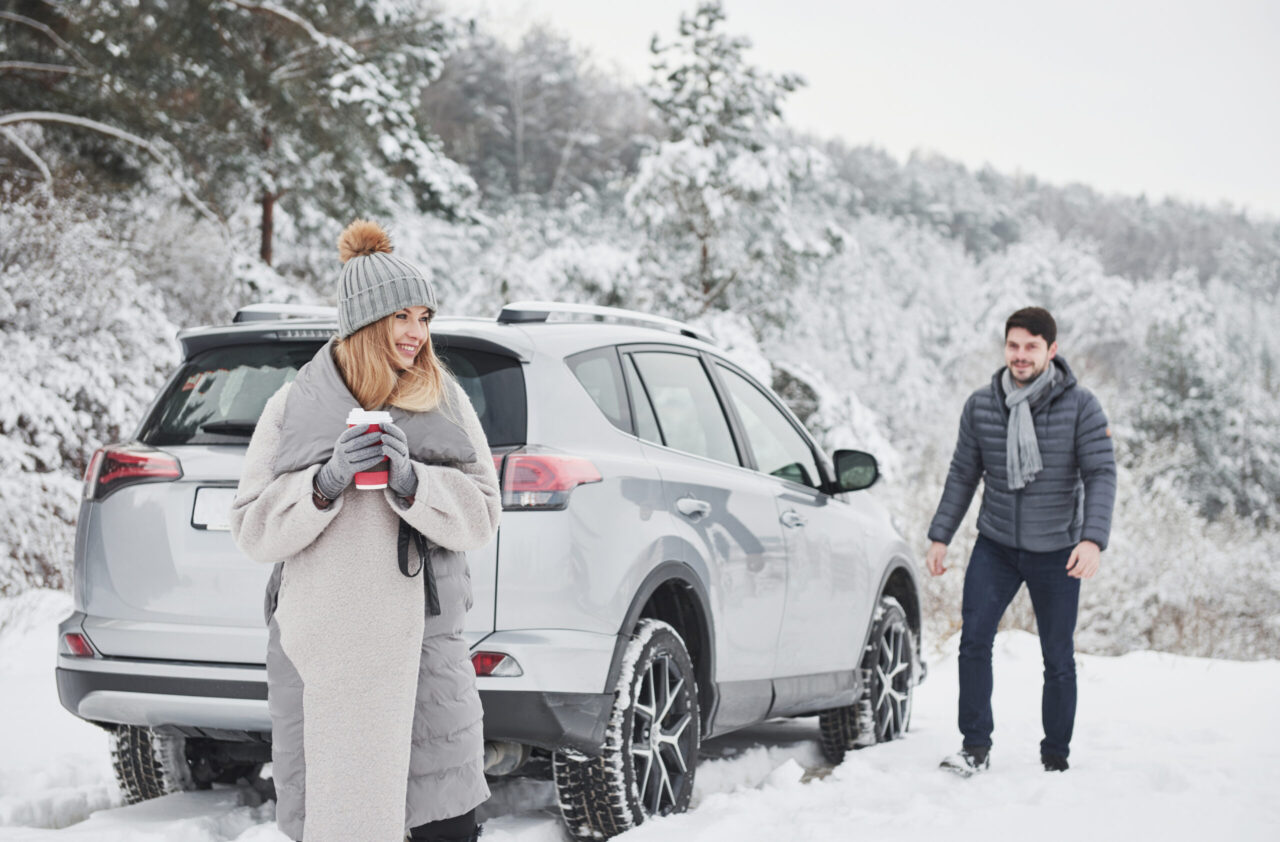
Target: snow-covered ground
x,y
1166,747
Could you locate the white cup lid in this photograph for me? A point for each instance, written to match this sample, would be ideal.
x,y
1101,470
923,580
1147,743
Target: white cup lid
x,y
367,416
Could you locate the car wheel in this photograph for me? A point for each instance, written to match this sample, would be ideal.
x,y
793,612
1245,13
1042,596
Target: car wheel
x,y
889,672
149,764
650,752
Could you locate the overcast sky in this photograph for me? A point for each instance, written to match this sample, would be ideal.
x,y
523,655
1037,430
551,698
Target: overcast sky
x,y
1180,97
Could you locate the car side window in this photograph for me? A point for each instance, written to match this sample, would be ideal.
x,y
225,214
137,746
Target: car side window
x,y
686,405
598,372
646,422
780,450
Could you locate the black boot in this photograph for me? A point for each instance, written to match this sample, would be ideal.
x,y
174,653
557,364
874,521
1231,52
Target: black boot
x,y
1054,763
968,761
457,829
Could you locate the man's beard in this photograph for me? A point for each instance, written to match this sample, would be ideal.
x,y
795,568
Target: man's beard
x,y
1035,372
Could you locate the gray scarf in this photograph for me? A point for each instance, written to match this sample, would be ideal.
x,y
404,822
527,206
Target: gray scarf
x,y
1022,450
315,414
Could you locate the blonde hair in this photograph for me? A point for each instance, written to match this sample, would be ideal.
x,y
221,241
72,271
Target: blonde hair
x,y
370,365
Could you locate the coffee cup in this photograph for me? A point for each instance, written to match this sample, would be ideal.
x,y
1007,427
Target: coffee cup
x,y
375,477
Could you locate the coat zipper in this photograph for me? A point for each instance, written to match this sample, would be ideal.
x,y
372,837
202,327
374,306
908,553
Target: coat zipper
x,y
1017,519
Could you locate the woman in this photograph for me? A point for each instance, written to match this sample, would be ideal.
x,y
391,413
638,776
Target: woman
x,y
376,722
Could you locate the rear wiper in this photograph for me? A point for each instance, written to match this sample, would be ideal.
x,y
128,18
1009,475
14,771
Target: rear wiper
x,y
230,428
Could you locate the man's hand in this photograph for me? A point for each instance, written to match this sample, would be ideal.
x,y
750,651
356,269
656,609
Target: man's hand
x,y
934,558
1084,560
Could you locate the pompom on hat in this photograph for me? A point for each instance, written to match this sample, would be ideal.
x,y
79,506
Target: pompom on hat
x,y
374,282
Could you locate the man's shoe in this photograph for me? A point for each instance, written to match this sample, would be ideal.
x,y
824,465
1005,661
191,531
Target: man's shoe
x,y
1054,763
968,760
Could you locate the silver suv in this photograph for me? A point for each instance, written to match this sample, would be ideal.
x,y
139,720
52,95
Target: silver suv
x,y
676,559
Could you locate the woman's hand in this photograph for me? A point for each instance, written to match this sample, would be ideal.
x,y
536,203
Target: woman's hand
x,y
403,480
356,450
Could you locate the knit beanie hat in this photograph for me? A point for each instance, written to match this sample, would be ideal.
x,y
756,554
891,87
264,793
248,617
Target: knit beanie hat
x,y
374,283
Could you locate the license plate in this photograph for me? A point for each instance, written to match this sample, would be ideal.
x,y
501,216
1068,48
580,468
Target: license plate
x,y
212,510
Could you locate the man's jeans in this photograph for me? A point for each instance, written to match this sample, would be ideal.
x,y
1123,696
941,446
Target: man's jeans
x,y
995,573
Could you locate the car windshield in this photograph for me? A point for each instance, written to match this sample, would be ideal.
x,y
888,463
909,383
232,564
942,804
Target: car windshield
x,y
218,395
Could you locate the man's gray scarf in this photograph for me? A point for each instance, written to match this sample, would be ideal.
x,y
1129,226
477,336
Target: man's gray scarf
x,y
315,414
1022,450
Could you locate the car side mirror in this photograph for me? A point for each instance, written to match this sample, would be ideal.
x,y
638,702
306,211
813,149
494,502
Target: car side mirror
x,y
855,470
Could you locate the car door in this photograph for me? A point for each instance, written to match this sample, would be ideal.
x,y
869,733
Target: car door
x,y
828,574
725,516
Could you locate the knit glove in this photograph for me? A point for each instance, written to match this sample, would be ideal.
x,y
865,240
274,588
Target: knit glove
x,y
403,479
356,450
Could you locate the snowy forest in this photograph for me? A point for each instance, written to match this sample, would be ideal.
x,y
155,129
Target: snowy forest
x,y
164,162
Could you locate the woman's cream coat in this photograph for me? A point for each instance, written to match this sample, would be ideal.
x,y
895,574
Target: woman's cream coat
x,y
376,722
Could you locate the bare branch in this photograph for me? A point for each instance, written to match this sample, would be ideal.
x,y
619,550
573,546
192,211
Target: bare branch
x,y
42,67
28,151
112,131
284,14
53,36
565,155
297,64
717,291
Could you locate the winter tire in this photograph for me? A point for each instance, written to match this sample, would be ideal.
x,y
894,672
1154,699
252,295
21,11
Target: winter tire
x,y
148,764
650,752
889,671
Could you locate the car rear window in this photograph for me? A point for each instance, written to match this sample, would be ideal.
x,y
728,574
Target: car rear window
x,y
218,395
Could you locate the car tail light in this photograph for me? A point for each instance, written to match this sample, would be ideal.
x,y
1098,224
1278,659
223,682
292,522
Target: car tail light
x,y
115,466
543,479
76,644
495,665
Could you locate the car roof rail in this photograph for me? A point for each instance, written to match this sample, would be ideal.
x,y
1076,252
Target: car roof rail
x,y
279,312
542,311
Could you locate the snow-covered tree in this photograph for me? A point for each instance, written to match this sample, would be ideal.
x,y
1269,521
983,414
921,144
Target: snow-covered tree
x,y
536,117
1205,423
1165,310
716,194
255,101
86,347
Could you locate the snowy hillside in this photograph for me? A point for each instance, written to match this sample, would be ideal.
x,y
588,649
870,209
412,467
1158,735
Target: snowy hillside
x,y
1167,747
869,291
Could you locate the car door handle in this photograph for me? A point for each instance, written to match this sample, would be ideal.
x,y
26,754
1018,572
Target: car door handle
x,y
792,518
692,507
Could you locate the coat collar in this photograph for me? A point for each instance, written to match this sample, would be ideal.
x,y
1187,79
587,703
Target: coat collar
x,y
315,414
1065,381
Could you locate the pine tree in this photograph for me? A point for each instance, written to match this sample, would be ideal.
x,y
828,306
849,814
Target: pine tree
x,y
1202,399
255,102
716,195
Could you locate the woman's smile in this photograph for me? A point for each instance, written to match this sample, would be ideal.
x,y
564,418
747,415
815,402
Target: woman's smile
x,y
409,332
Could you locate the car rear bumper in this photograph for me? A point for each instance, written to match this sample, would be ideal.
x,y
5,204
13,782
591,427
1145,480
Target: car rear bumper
x,y
131,698
549,720
559,702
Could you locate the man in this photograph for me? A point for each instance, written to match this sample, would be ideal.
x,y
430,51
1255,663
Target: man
x,y
1041,445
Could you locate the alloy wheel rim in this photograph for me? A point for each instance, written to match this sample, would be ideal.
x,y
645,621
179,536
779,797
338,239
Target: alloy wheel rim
x,y
661,736
892,683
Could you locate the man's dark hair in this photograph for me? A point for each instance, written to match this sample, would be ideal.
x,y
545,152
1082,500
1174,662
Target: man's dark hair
x,y
1036,321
